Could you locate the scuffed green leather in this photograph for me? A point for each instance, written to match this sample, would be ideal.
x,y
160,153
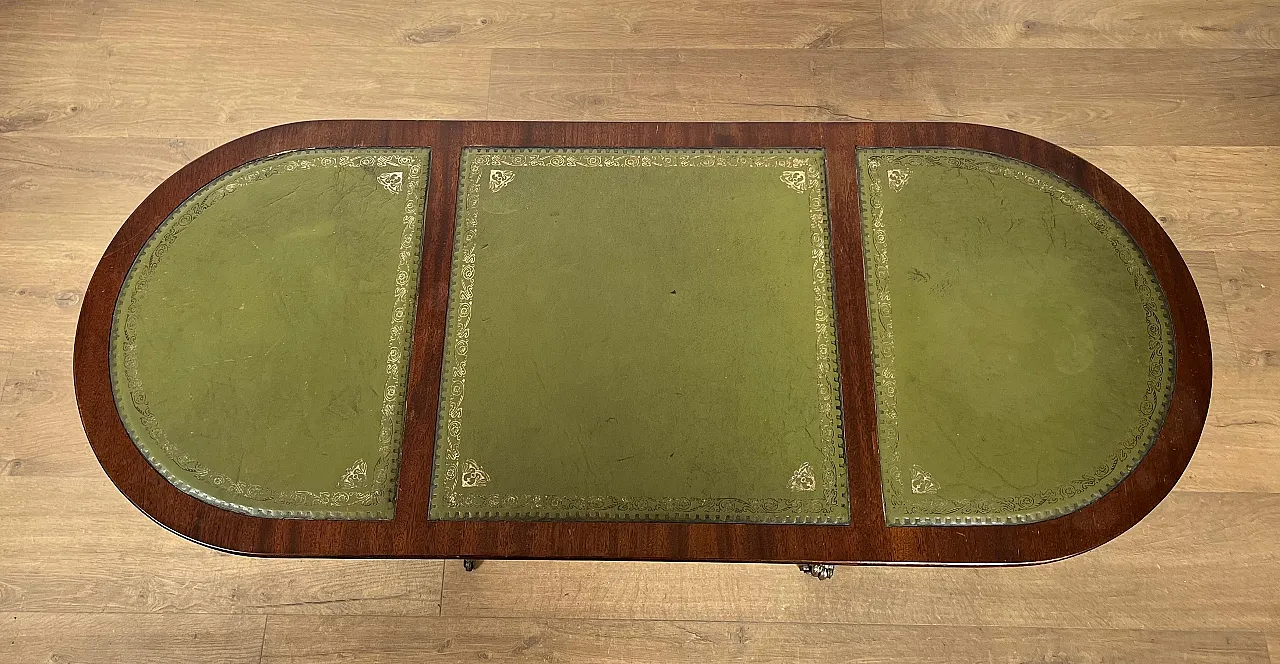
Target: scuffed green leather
x,y
260,343
641,335
1023,349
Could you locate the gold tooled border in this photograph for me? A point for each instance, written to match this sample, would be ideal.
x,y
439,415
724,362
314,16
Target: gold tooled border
x,y
449,500
379,503
913,509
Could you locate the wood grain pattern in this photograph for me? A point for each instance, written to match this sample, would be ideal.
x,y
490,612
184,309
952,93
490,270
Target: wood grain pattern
x,y
129,564
1247,418
533,24
36,399
524,640
38,173
64,22
1234,452
1082,24
106,89
1069,96
44,302
1170,572
141,639
1238,451
1221,198
1206,567
1204,268
1251,286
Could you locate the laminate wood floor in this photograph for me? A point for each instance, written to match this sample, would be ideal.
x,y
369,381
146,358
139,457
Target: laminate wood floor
x,y
100,100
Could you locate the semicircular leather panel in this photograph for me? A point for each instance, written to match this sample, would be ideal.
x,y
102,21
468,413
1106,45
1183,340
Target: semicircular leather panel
x,y
260,343
1023,347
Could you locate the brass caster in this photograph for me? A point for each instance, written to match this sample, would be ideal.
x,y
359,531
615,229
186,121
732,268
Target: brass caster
x,y
818,570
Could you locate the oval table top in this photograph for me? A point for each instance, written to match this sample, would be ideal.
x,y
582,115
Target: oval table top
x,y
914,343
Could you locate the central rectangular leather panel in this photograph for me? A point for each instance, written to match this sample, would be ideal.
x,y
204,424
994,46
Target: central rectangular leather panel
x,y
641,334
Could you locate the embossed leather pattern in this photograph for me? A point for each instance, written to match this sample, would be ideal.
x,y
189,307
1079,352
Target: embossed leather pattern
x,y
1023,349
260,343
641,334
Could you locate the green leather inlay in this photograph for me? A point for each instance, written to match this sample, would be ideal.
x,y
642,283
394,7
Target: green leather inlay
x,y
1023,348
260,343
641,334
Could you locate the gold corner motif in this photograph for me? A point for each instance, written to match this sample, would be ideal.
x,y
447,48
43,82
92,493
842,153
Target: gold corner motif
x,y
499,179
803,479
355,476
795,179
473,475
392,181
897,178
922,482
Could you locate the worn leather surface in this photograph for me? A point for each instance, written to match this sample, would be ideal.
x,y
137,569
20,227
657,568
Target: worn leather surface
x,y
259,347
641,334
1023,349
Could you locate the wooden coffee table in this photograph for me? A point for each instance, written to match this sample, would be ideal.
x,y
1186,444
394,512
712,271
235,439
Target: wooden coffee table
x,y
813,343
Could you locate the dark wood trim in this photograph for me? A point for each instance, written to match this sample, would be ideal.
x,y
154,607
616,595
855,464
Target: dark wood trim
x,y
866,540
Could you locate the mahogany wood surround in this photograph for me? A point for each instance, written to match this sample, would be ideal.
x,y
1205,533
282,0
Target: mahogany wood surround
x,y
867,539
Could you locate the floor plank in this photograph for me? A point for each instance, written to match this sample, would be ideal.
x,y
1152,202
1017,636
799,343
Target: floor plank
x,y
40,430
1240,447
1239,450
43,284
63,22
223,90
109,176
136,639
1204,270
1250,282
217,583
345,639
1069,96
100,100
1189,565
71,545
486,23
1082,23
1206,198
